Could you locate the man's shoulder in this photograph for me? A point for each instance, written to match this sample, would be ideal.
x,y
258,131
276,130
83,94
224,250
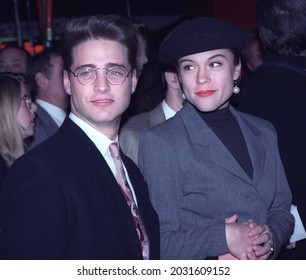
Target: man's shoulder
x,y
135,121
144,121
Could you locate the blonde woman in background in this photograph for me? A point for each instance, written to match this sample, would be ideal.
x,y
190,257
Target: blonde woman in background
x,y
17,113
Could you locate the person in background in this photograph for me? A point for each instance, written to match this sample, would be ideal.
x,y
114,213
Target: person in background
x,y
276,92
214,174
76,195
252,53
15,59
50,96
17,114
141,61
142,53
137,125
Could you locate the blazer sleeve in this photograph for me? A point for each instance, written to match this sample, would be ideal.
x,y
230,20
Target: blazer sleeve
x,y
280,220
25,231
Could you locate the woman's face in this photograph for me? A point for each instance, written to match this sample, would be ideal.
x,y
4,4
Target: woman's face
x,y
207,78
26,114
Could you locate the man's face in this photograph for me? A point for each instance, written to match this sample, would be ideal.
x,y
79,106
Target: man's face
x,y
13,60
101,103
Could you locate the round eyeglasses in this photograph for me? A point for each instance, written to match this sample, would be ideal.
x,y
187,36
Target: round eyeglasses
x,y
28,102
87,76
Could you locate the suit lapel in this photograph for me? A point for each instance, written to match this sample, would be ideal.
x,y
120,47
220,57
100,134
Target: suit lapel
x,y
106,184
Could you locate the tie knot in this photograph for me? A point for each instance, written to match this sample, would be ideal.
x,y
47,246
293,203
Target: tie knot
x,y
114,150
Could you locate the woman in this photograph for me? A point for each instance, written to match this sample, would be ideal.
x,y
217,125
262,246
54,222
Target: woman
x,y
214,174
17,113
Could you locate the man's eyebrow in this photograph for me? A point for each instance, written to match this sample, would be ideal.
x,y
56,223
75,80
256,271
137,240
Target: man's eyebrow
x,y
108,65
112,65
86,66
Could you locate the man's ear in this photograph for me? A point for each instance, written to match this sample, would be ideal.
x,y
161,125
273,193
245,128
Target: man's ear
x,y
134,81
41,80
66,82
172,79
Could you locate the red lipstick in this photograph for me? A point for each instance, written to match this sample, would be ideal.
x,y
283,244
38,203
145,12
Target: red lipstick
x,y
205,93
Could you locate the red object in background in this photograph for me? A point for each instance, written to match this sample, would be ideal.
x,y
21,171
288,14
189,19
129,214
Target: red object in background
x,y
33,50
29,48
49,13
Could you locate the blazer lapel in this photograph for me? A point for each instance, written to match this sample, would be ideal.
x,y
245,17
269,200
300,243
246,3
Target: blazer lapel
x,y
254,144
218,153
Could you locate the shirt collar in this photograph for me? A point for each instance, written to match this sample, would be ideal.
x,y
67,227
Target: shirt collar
x,y
98,138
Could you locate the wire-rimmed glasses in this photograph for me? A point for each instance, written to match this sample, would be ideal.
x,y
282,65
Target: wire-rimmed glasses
x,y
114,75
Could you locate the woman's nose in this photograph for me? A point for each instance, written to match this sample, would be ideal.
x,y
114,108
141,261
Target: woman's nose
x,y
203,77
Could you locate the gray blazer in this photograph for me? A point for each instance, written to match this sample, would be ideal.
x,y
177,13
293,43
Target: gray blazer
x,y
195,183
45,126
135,126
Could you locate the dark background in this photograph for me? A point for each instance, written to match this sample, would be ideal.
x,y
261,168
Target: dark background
x,y
160,15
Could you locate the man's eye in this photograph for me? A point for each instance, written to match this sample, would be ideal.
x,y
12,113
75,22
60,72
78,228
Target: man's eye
x,y
116,73
86,74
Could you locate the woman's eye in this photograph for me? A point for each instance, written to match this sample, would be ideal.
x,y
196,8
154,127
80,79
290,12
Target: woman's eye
x,y
188,67
216,64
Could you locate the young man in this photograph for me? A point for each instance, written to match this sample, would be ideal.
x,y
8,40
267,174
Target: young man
x,y
62,201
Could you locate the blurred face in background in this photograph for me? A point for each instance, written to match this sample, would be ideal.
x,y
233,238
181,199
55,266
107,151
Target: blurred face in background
x,y
13,60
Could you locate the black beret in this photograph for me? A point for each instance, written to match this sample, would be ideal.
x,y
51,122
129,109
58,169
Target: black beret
x,y
199,35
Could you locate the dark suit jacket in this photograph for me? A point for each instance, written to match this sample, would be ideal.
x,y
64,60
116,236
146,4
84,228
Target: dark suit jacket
x,y
61,201
3,170
45,126
278,94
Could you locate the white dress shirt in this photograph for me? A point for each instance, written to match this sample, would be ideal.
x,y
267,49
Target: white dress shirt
x,y
102,143
169,113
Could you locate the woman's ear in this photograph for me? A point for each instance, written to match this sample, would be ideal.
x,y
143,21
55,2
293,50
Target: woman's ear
x,y
237,71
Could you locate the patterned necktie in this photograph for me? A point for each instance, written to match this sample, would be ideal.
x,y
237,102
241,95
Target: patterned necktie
x,y
125,188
